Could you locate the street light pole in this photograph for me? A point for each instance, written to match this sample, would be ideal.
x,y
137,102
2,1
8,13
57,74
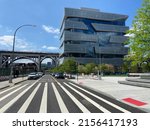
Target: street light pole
x,y
12,56
77,70
100,76
99,61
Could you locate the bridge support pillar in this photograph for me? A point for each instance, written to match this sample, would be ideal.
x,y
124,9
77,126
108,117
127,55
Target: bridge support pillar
x,y
39,63
56,61
1,60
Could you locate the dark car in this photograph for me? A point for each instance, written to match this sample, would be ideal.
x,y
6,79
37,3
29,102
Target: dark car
x,y
59,76
53,74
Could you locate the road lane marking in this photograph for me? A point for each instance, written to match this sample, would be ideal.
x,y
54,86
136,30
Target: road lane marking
x,y
43,106
10,88
102,99
4,97
28,101
88,99
60,101
4,108
80,105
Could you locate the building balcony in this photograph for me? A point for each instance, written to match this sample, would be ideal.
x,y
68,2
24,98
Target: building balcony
x,y
76,48
75,25
112,50
118,39
109,28
76,36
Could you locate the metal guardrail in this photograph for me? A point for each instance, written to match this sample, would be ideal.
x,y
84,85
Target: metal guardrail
x,y
4,71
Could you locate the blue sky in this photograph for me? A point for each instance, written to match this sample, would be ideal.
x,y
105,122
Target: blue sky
x,y
47,16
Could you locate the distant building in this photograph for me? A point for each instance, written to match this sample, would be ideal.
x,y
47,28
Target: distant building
x,y
49,64
92,36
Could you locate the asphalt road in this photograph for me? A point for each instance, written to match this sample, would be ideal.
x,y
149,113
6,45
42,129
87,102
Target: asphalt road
x,y
50,95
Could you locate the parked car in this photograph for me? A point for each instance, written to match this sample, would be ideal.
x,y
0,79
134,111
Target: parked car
x,y
59,76
40,74
33,75
53,74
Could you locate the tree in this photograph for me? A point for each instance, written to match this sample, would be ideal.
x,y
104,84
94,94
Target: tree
x,y
125,67
106,68
90,68
81,69
70,66
139,41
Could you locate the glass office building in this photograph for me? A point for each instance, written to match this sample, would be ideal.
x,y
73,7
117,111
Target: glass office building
x,y
92,36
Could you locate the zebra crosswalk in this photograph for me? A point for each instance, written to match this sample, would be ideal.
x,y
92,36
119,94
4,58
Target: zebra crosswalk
x,y
82,108
58,96
28,100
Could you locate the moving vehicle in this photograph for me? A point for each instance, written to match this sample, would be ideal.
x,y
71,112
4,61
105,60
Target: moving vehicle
x,y
33,75
40,74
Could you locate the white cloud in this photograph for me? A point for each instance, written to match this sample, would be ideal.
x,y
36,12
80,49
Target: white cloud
x,y
50,29
50,47
44,47
22,44
7,41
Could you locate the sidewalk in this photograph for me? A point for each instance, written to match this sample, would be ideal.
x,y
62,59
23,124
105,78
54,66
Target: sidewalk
x,y
5,84
111,87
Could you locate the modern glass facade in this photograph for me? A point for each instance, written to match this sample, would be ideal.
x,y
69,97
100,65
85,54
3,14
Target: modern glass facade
x,y
92,36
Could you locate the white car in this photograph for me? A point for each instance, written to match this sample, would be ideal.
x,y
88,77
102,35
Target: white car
x,y
33,75
40,74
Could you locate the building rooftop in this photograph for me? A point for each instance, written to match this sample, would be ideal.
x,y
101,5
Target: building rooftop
x,y
90,9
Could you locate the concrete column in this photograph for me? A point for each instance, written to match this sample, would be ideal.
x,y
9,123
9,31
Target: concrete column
x,y
56,61
39,63
1,60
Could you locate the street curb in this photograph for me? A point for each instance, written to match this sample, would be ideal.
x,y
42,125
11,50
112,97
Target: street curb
x,y
136,84
13,84
20,81
4,87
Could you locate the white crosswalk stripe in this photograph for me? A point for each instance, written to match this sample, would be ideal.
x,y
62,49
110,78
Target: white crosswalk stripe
x,y
4,97
10,89
61,103
28,101
43,106
4,108
82,107
90,100
102,99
